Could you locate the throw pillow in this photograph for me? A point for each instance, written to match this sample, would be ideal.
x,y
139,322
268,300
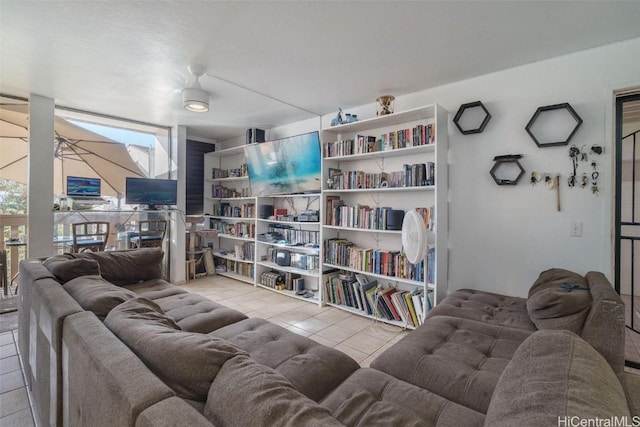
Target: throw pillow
x,y
128,266
65,268
185,361
95,294
556,378
559,299
245,393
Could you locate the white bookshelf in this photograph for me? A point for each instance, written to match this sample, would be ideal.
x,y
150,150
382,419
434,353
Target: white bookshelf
x,y
358,195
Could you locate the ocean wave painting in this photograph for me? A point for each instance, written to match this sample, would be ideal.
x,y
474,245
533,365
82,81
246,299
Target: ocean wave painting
x,y
283,166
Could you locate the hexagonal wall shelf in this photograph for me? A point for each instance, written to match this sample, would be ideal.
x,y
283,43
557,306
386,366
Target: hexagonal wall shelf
x,y
478,114
561,120
507,170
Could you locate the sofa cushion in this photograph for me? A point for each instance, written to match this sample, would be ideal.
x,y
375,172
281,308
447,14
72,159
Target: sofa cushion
x,y
185,361
459,359
555,375
128,266
155,289
559,299
245,393
95,294
486,307
195,313
312,368
372,398
65,268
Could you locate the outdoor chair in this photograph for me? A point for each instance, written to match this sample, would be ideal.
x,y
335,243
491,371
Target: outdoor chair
x,y
89,236
150,234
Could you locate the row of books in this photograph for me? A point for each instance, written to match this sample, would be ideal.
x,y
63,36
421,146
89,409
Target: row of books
x,y
229,266
402,138
221,192
282,280
411,175
217,173
428,214
360,293
238,229
419,135
245,210
345,253
359,216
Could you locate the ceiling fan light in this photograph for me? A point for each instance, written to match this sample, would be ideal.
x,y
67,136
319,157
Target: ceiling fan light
x,y
195,99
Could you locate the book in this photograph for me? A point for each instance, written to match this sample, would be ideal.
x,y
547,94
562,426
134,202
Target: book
x,y
386,298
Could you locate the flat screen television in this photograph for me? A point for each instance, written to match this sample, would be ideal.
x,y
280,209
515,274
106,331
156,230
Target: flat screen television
x,y
78,186
151,192
285,166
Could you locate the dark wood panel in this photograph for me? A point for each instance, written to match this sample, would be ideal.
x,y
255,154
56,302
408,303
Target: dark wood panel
x,y
195,175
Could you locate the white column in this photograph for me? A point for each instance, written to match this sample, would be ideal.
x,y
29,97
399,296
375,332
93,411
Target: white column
x,y
40,177
179,156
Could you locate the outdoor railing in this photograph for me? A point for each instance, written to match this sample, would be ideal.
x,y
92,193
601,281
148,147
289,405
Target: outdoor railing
x,y
13,226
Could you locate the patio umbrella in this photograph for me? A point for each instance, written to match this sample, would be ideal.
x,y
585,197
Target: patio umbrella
x,y
78,152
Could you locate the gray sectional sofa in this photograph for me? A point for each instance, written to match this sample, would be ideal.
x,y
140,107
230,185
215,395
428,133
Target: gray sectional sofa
x,y
105,341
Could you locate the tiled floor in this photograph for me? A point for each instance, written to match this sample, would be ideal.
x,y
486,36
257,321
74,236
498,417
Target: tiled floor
x,y
14,402
360,338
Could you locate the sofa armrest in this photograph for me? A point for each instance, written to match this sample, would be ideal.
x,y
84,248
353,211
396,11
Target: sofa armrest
x,y
604,327
50,305
103,380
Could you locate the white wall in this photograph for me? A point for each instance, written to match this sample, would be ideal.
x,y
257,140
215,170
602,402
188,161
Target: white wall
x,y
502,237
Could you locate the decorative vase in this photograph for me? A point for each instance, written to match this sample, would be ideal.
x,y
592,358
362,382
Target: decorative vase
x,y
385,105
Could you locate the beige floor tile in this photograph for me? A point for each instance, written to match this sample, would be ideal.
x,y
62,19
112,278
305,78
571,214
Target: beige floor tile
x,y
6,338
11,381
333,315
13,401
382,331
8,351
312,325
9,364
298,331
322,340
18,419
357,355
336,333
355,323
364,343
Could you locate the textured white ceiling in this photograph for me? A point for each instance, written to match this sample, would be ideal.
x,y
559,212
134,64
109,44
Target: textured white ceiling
x,y
129,58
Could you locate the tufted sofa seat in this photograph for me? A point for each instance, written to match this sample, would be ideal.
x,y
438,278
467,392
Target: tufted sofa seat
x,y
458,359
486,307
313,369
370,397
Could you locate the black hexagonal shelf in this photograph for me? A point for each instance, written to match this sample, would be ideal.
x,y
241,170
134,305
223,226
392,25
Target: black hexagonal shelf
x,y
554,139
503,171
471,105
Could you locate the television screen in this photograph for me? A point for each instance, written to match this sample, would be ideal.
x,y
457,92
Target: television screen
x,y
79,186
150,191
284,166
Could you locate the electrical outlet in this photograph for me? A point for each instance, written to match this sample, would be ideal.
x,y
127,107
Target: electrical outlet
x,y
576,229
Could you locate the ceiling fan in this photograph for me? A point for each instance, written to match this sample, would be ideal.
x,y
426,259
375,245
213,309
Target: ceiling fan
x,y
194,98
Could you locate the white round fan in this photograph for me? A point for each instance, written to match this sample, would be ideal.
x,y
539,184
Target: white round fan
x,y
414,237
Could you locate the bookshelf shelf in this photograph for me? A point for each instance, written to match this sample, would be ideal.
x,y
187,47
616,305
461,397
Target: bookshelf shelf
x,y
374,171
375,318
228,179
274,266
236,276
292,294
230,257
